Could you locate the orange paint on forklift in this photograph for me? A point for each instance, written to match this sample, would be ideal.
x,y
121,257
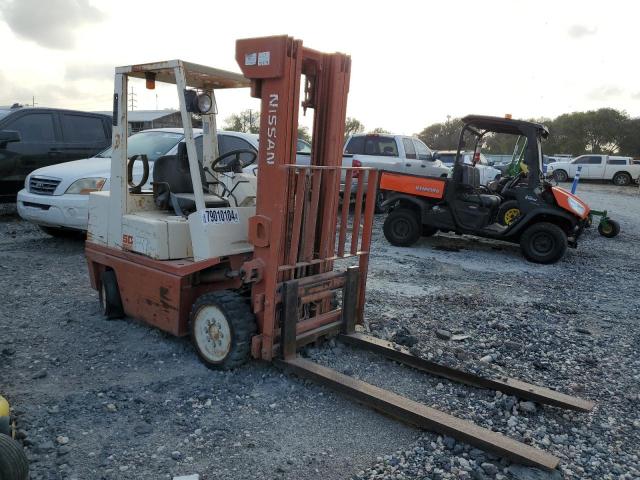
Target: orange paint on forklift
x,y
570,202
413,185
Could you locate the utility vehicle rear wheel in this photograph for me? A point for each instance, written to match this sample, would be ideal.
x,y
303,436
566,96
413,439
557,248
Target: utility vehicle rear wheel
x,y
508,212
621,179
110,300
222,325
560,175
402,227
610,229
13,461
543,243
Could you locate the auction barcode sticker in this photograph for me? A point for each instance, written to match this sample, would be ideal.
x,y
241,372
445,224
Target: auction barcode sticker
x,y
219,216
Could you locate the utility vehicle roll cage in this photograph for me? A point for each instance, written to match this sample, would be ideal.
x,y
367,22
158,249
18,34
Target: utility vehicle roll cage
x,y
480,125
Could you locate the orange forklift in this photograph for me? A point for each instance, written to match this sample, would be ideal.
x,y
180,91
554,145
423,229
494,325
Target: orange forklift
x,y
262,274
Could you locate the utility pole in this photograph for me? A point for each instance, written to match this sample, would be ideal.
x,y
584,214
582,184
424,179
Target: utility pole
x,y
132,99
448,118
250,120
33,101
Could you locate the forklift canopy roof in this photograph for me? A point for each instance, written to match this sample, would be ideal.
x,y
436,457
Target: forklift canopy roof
x,y
504,125
197,76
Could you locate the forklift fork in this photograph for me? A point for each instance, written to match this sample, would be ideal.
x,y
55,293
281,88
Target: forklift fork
x,y
405,409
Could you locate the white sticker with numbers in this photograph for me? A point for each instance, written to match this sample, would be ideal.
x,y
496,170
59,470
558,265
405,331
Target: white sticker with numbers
x,y
219,216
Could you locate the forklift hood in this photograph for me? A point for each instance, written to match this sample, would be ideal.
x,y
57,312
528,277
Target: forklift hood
x,y
570,202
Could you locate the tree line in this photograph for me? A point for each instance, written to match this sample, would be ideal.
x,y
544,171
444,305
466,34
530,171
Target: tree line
x,y
606,131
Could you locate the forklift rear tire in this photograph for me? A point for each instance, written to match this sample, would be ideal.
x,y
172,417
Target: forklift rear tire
x,y
508,212
402,227
543,243
222,326
610,230
110,296
13,461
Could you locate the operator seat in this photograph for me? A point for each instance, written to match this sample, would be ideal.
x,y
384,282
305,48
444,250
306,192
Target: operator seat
x,y
173,188
468,177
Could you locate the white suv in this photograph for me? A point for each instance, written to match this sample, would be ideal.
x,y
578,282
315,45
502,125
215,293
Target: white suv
x,y
56,198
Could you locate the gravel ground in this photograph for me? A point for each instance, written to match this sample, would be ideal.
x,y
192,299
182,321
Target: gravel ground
x,y
119,400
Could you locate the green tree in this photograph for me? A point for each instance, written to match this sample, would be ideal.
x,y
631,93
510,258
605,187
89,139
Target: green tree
x,y
630,142
379,130
303,134
247,121
442,136
352,126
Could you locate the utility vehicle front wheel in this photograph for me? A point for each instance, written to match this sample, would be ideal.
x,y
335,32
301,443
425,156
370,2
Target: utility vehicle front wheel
x,y
543,243
402,227
13,461
508,212
609,229
110,300
222,325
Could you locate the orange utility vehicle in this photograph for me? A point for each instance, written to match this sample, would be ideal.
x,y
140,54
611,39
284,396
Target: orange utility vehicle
x,y
550,218
261,274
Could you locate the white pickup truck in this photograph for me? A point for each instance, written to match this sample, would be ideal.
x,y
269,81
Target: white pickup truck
x,y
397,153
620,170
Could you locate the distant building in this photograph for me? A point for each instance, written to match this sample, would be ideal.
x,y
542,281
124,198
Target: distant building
x,y
145,119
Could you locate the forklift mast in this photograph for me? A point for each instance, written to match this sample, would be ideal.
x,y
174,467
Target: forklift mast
x,y
294,229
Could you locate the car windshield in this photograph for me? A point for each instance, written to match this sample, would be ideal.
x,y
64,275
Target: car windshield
x,y
152,144
447,158
4,113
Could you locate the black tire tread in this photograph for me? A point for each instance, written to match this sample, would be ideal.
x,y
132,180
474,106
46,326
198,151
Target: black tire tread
x,y
550,227
615,231
13,461
113,301
624,174
242,323
409,214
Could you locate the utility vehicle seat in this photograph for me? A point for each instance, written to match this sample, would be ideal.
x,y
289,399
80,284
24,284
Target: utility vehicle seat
x,y
469,178
173,188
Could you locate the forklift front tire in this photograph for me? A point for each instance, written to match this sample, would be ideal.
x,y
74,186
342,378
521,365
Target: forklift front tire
x,y
13,461
609,229
402,227
222,326
543,243
110,296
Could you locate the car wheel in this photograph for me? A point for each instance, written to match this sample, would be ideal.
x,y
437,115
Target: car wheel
x,y
13,461
222,326
402,227
508,212
621,179
110,299
560,175
543,243
609,229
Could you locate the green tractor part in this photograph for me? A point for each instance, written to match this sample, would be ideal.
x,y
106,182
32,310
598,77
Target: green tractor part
x,y
606,227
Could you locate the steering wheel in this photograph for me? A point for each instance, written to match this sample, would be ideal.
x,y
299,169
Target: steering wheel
x,y
514,181
145,172
231,161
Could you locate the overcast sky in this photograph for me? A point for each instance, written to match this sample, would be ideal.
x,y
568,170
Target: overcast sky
x,y
414,63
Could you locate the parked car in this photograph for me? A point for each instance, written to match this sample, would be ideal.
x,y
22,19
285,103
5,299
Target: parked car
x,y
38,137
620,170
57,197
488,172
396,153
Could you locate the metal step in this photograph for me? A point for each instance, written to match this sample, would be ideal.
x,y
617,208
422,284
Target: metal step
x,y
420,415
506,385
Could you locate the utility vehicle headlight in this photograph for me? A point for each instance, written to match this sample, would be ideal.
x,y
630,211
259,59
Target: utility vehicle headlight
x,y
204,103
84,186
576,206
